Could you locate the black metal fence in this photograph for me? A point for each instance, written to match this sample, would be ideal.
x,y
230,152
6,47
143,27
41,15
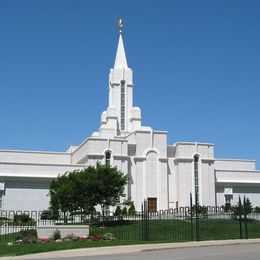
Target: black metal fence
x,y
183,224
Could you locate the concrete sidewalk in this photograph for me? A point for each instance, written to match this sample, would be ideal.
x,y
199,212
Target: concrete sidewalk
x,y
129,249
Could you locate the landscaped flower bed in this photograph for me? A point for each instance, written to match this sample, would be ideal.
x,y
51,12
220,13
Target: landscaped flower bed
x,y
30,237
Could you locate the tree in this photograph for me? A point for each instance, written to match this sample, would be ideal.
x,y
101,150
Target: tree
x,y
131,210
247,206
201,211
84,192
124,211
109,185
50,215
84,189
242,209
62,194
257,209
118,211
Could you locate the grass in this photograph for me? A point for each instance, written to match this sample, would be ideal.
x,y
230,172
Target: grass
x,y
180,230
128,232
23,249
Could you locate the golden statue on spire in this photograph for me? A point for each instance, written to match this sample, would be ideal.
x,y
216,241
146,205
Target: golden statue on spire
x,y
120,25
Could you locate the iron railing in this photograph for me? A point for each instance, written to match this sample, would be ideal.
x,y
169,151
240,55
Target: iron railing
x,y
176,225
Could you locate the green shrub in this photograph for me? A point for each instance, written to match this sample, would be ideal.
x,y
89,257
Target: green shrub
x,y
118,211
23,219
124,211
227,207
257,209
202,211
4,218
72,237
108,236
56,235
49,215
242,209
27,234
131,210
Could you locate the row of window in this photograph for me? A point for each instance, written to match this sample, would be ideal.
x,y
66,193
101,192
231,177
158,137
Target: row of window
x,y
196,175
122,105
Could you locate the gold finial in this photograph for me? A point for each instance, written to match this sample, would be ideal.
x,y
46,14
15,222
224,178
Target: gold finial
x,y
120,25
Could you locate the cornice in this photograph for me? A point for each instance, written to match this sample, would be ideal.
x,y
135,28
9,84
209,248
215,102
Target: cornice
x,y
140,158
252,171
208,160
183,159
35,152
163,159
239,181
193,143
42,164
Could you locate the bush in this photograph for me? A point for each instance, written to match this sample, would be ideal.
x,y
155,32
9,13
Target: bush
x,y
202,211
23,219
124,211
95,238
227,208
26,235
71,237
241,210
257,209
49,215
118,211
4,218
131,210
56,235
108,236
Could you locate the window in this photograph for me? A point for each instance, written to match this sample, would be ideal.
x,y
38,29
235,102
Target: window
x,y
122,105
228,199
196,175
108,158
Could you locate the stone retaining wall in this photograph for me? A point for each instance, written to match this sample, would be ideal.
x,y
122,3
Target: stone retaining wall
x,y
77,230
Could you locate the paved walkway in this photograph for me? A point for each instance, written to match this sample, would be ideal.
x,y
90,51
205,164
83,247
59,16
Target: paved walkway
x,y
128,249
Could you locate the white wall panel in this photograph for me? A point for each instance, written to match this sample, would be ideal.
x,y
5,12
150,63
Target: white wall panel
x,y
26,196
34,157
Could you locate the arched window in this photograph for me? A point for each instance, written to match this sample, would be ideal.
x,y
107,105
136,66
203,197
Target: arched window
x,y
196,175
122,105
108,158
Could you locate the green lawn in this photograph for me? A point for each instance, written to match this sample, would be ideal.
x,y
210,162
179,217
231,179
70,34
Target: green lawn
x,y
131,232
179,230
23,249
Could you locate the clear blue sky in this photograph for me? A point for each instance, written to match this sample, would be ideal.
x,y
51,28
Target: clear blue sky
x,y
196,70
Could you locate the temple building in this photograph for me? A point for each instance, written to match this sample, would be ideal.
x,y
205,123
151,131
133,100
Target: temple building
x,y
164,174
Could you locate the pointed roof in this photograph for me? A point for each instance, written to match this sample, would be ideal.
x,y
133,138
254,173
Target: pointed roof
x,y
120,61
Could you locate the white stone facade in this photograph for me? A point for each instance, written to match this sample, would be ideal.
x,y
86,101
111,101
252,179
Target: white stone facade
x,y
164,174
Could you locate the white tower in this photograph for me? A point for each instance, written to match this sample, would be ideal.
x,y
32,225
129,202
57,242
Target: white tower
x,y
120,118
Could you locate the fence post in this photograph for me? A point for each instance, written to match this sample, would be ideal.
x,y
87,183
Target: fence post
x,y
240,218
142,220
145,221
191,219
245,218
196,218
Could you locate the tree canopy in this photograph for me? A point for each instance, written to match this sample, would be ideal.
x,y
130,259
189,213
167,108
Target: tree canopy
x,y
84,189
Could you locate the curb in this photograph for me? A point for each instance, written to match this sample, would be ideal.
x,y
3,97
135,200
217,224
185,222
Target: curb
x,y
99,251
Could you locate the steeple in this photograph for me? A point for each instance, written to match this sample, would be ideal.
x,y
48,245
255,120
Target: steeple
x,y
121,117
120,61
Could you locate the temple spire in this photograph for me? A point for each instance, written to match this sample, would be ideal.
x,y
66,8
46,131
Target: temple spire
x,y
120,61
120,25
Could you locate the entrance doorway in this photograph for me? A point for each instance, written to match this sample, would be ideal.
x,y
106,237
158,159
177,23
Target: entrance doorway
x,y
152,204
